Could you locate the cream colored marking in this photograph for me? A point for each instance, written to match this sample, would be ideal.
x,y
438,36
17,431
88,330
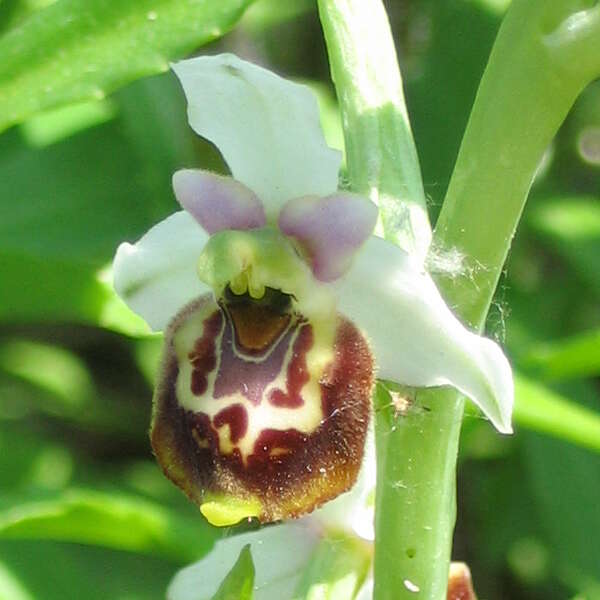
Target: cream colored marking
x,y
279,451
225,444
184,341
305,418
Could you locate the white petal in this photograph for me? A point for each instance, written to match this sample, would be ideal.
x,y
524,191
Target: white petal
x,y
266,128
279,553
416,339
156,276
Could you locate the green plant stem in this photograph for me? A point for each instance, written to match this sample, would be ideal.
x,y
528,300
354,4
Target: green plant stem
x,y
545,54
380,152
415,497
531,81
416,458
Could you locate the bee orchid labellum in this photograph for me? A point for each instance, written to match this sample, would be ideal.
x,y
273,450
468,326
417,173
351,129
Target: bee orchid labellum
x,y
279,306
258,401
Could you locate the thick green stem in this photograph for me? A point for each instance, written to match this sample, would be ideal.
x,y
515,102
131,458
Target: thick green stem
x,y
545,54
380,152
415,498
416,458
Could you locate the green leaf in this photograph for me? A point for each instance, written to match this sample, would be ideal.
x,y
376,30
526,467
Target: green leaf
x,y
52,381
36,570
454,62
270,13
54,238
51,126
110,520
34,288
62,217
30,460
566,484
546,411
572,225
14,12
31,290
55,370
10,587
240,580
577,356
78,50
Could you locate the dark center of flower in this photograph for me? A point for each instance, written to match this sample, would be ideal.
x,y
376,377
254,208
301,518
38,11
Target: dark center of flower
x,y
257,402
258,323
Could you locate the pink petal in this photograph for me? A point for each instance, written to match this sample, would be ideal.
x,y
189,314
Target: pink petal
x,y
218,202
330,229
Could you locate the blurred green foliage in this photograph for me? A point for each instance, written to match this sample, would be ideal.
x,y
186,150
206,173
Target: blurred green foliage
x,y
84,511
74,50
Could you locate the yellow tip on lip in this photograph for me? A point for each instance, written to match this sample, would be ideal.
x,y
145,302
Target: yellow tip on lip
x,y
226,510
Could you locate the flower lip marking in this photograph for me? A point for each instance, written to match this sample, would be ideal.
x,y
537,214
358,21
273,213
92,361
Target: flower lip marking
x,y
203,356
290,434
249,373
236,417
297,372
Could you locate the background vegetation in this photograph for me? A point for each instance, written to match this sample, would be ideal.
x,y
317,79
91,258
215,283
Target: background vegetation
x,y
94,127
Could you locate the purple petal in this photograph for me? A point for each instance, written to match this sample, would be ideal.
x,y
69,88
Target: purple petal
x,y
330,229
218,202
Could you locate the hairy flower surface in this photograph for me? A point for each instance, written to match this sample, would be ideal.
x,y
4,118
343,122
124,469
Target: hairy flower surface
x,y
279,306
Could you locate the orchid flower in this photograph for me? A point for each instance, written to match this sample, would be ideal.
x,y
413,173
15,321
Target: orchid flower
x,y
327,554
280,308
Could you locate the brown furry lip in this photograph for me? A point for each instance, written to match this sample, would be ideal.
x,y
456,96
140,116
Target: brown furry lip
x,y
291,472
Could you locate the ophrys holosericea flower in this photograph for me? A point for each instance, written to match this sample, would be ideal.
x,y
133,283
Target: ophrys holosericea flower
x,y
282,308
